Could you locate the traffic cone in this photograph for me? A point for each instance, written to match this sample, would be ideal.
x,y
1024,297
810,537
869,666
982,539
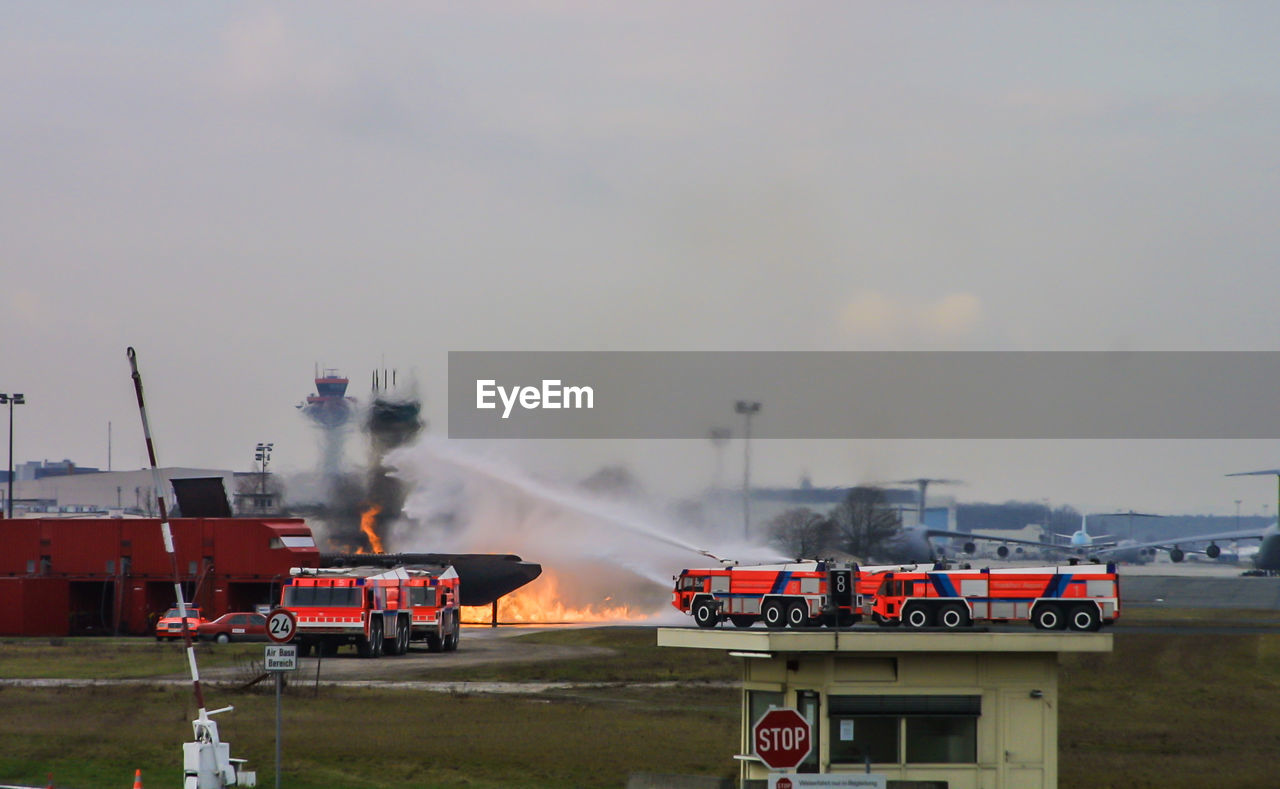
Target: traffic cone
x,y
137,779
50,786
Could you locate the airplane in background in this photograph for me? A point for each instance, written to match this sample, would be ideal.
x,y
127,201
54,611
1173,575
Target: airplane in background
x,y
1083,541
1266,558
914,544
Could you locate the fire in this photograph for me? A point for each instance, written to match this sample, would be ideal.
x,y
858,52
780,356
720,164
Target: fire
x,y
366,526
540,603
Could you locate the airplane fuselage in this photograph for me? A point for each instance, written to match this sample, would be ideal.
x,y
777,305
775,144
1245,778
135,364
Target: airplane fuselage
x,y
1268,555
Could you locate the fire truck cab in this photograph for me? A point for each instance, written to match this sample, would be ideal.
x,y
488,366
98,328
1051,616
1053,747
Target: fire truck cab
x,y
1078,597
433,599
799,594
365,606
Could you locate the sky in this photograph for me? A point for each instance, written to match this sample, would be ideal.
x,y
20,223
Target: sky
x,y
244,191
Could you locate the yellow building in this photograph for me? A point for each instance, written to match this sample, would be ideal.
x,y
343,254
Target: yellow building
x,y
928,710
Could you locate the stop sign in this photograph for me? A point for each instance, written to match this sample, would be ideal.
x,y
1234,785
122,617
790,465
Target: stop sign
x,y
781,738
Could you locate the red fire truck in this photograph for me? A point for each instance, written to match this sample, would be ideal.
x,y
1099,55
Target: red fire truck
x,y
799,594
379,610
433,600
1079,597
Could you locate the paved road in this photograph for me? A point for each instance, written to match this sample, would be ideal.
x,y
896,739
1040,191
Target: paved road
x,y
479,645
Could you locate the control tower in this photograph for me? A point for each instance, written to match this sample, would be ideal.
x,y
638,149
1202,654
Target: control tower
x,y
331,410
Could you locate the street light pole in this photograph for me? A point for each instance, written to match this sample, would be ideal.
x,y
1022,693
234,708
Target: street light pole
x,y
262,454
12,400
748,409
719,437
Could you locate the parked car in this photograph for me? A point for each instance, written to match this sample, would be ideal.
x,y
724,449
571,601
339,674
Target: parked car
x,y
234,627
170,625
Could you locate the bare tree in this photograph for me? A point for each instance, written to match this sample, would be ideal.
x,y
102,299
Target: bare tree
x,y
864,520
802,533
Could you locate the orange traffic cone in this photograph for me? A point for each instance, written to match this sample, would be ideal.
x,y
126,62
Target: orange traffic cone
x,y
137,779
50,786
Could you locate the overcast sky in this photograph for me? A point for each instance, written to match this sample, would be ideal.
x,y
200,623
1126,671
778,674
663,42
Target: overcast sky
x,y
245,190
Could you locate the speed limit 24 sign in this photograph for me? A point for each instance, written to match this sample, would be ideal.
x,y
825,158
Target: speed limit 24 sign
x,y
281,625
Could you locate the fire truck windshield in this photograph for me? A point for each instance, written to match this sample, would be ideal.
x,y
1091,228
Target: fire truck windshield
x,y
341,596
893,589
422,596
691,582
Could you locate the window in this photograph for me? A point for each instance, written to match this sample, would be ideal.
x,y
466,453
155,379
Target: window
x,y
808,703
341,596
422,596
904,729
758,703
942,740
858,738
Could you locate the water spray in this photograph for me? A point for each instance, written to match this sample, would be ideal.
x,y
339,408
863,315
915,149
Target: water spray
x,y
605,551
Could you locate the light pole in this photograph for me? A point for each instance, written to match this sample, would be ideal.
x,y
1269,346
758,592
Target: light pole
x,y
719,437
1238,514
12,400
262,454
748,409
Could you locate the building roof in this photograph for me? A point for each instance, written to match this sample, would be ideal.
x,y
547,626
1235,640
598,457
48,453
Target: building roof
x,y
881,641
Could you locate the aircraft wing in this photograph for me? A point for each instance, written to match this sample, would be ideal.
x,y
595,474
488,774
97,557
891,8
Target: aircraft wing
x,y
967,536
1243,534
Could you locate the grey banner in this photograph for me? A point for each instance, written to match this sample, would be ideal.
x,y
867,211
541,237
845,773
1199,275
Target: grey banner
x,y
807,395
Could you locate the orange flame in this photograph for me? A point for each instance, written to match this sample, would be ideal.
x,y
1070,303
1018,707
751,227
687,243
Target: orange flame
x,y
540,602
366,526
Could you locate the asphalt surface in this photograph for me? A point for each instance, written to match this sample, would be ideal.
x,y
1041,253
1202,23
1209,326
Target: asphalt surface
x,y
479,644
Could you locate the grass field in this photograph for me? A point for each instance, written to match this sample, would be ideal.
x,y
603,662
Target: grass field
x,y
1163,710
111,658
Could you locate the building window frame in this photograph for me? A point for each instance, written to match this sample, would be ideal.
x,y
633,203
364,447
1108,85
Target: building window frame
x,y
914,729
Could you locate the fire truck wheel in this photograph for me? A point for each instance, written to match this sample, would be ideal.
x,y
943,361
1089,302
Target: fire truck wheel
x,y
1084,617
406,633
1048,617
883,622
953,616
798,615
704,613
371,647
451,642
391,646
434,644
775,615
742,620
917,616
